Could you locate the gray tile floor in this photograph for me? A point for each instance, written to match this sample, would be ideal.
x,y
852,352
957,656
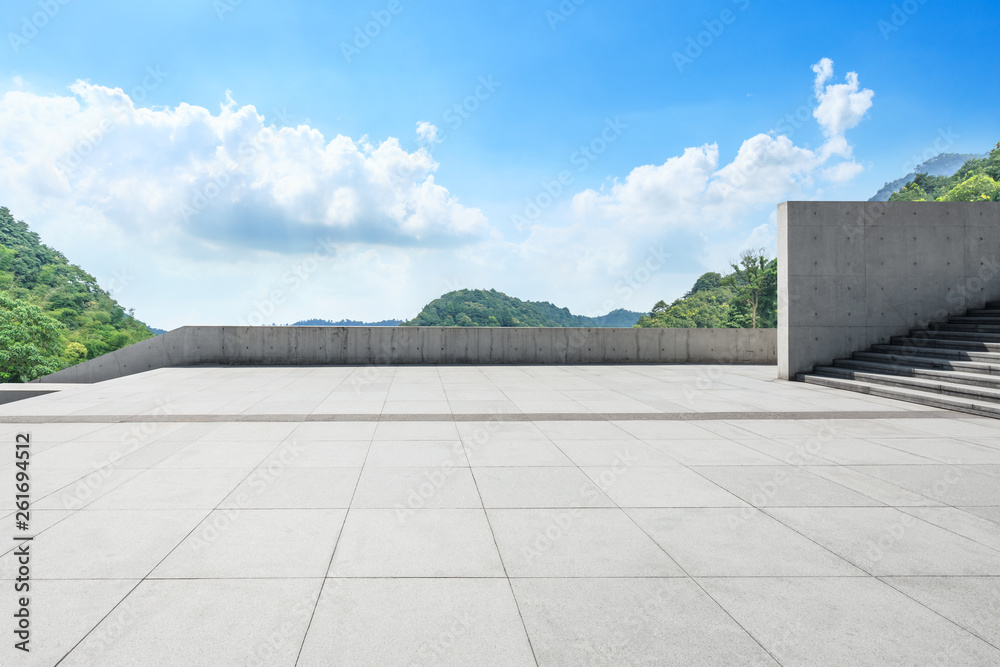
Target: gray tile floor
x,y
639,515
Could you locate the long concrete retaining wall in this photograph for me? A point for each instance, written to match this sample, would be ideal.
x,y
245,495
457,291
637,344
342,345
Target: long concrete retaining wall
x,y
320,346
852,274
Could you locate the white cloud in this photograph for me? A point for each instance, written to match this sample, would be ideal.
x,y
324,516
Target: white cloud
x,y
226,178
397,237
427,132
841,106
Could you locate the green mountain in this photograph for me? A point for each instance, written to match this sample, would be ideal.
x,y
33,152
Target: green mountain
x,y
490,308
976,180
53,314
945,164
723,302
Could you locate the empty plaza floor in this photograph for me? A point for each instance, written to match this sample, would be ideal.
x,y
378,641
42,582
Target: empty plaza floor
x,y
529,515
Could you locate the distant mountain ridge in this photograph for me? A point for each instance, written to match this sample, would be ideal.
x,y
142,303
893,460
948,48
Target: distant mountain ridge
x,y
490,308
945,164
347,323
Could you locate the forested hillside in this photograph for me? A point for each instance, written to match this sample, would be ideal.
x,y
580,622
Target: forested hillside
x,y
490,308
53,314
977,180
745,298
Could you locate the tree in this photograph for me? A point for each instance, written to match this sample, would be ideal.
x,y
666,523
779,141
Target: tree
x,y
976,188
753,278
910,192
74,353
29,341
707,281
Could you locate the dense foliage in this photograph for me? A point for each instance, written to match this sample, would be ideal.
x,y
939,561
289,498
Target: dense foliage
x,y
977,180
53,314
490,308
730,301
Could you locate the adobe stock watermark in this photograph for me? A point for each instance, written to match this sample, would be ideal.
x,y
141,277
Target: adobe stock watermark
x,y
900,16
364,34
33,24
119,280
433,481
581,159
433,651
945,140
290,281
562,12
138,435
246,150
714,28
91,139
455,116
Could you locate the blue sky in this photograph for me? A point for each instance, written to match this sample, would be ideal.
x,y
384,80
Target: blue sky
x,y
123,201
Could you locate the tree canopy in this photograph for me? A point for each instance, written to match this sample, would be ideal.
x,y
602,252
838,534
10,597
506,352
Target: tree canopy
x,y
490,308
41,288
977,180
730,301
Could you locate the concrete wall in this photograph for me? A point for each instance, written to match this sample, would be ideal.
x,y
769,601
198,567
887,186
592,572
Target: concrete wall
x,y
291,346
852,274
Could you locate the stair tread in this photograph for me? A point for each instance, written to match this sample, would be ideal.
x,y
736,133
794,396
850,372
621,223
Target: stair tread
x,y
903,394
936,372
984,367
932,385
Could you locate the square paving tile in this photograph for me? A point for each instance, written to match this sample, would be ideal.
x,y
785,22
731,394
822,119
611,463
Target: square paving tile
x,y
538,487
376,622
291,488
515,453
577,543
603,453
953,485
783,486
845,621
106,544
164,489
223,622
317,454
219,454
660,487
741,542
416,488
711,452
416,543
630,622
63,612
971,602
245,544
887,541
417,454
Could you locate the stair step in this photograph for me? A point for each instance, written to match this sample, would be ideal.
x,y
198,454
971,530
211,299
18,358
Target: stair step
x,y
935,363
983,394
984,312
958,332
900,394
938,352
947,343
904,370
974,319
957,327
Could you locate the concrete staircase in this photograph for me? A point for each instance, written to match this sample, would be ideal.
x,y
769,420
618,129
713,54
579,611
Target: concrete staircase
x,y
955,366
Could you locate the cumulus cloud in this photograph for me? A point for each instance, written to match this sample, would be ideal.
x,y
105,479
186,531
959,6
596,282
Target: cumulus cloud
x,y
182,197
226,177
700,203
428,132
841,106
695,190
